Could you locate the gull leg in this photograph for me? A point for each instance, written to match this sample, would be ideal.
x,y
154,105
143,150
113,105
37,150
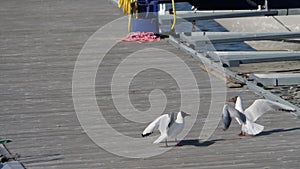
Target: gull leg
x,y
242,133
166,141
177,143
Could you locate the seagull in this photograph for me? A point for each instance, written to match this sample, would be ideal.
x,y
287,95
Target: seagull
x,y
248,127
169,126
247,118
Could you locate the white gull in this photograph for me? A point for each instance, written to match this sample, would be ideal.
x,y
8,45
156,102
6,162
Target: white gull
x,y
169,126
247,118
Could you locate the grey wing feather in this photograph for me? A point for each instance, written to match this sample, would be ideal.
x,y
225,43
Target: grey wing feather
x,y
154,125
236,114
242,117
172,116
226,118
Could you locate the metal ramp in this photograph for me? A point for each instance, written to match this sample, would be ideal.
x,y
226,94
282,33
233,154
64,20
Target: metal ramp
x,y
194,16
200,38
235,58
276,79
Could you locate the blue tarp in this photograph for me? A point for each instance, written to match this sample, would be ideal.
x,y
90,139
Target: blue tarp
x,y
12,165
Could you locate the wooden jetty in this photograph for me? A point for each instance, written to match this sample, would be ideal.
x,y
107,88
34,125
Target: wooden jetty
x,y
39,44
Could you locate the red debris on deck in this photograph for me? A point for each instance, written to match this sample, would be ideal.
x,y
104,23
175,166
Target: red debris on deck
x,y
141,37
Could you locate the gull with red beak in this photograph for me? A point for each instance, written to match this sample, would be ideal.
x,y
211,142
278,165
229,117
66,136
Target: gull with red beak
x,y
247,118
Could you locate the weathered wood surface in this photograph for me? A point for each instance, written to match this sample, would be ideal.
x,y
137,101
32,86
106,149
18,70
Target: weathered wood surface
x,y
39,44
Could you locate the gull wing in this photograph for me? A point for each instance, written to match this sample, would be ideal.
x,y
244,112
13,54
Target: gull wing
x,y
262,106
230,112
155,124
163,128
164,123
172,118
226,118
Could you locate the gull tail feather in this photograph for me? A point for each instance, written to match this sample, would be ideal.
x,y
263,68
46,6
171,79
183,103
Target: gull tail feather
x,y
252,128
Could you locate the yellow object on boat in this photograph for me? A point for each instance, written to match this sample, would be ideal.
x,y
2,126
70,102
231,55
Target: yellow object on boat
x,y
174,15
126,5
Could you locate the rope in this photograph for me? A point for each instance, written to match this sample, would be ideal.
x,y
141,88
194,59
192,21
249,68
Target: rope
x,y
126,5
141,37
174,15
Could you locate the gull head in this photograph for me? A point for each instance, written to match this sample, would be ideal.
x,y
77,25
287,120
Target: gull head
x,y
184,114
233,99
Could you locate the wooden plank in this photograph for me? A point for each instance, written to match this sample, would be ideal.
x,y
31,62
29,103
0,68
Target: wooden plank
x,y
39,44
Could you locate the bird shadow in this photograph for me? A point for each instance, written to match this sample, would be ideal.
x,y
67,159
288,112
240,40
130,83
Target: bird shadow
x,y
269,132
197,142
